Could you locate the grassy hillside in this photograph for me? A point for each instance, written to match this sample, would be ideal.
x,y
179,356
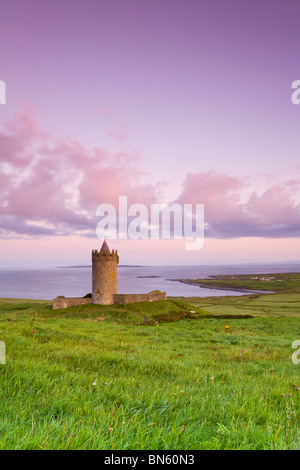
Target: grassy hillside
x,y
97,377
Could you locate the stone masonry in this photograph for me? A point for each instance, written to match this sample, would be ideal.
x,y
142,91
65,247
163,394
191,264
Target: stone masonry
x,y
104,268
105,284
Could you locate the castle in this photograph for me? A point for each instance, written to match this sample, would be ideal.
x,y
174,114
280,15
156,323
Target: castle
x,y
104,269
105,284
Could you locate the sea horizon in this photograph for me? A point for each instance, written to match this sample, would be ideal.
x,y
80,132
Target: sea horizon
x,y
46,283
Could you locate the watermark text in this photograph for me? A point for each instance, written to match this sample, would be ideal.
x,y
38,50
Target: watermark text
x,y
296,93
2,92
160,221
295,358
2,353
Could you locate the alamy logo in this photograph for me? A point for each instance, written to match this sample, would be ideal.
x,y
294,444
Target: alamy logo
x,y
165,222
295,359
296,94
2,352
2,92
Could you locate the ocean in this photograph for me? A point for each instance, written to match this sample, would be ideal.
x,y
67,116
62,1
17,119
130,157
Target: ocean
x,y
46,284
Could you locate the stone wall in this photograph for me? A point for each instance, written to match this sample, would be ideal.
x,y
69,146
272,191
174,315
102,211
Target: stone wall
x,y
63,302
66,302
132,298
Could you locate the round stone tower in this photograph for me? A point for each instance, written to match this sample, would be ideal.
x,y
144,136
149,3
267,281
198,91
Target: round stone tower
x,y
104,275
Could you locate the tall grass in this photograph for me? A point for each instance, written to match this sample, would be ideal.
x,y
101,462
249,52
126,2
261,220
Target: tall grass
x,y
96,379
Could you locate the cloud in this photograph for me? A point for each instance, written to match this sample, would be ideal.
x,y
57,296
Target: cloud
x,y
53,187
115,128
231,212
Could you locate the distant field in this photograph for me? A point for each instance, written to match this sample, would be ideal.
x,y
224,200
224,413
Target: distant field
x,y
163,375
288,282
274,305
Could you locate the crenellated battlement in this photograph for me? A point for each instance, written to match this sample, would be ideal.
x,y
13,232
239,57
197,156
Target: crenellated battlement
x,y
105,256
105,284
105,264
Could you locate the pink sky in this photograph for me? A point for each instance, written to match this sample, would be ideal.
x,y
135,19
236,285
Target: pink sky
x,y
186,101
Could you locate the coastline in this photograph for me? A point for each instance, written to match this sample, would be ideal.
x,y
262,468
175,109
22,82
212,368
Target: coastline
x,y
233,289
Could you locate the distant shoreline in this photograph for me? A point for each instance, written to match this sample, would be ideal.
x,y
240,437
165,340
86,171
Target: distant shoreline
x,y
233,289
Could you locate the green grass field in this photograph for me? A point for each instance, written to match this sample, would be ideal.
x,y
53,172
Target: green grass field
x,y
286,282
171,374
